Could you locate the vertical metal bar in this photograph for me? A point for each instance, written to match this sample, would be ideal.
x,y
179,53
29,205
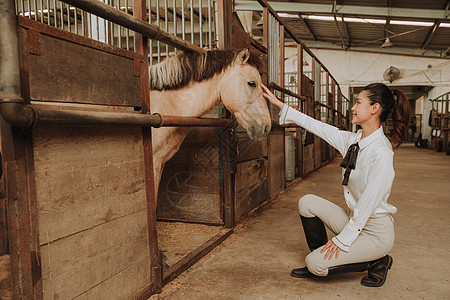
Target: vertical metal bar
x,y
42,11
192,21
119,28
48,12
89,16
29,8
68,19
183,30
200,22
35,10
209,25
62,15
158,24
55,13
166,24
22,8
111,26
83,28
175,29
75,14
216,23
127,30
149,4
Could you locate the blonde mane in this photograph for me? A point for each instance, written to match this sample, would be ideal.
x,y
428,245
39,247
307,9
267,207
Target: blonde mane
x,y
177,71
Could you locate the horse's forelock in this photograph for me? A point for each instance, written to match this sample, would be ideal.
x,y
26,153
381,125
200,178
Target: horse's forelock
x,y
179,70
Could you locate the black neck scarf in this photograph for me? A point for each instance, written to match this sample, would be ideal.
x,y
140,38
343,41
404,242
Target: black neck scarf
x,y
349,162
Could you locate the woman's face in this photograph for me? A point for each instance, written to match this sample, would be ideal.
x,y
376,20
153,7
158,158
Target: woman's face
x,y
362,111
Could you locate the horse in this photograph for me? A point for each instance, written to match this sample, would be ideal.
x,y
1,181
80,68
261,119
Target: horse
x,y
192,84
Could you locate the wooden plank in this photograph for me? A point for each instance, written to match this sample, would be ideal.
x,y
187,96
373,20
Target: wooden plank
x,y
5,278
251,173
276,161
317,152
68,72
88,264
250,197
86,177
308,159
248,149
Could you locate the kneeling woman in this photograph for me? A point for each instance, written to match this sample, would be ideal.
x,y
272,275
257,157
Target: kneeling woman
x,y
364,232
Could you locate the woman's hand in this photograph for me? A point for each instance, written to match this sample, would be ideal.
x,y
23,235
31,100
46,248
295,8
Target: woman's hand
x,y
331,249
271,97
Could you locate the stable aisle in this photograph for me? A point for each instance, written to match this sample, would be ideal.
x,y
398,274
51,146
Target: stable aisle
x,y
255,262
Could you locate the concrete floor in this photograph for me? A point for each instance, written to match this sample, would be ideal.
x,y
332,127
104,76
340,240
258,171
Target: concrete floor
x,y
255,262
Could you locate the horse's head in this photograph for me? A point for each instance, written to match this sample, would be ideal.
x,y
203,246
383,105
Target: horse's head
x,y
242,95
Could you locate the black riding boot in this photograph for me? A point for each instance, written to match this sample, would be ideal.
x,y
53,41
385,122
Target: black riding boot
x,y
316,236
356,267
377,273
315,232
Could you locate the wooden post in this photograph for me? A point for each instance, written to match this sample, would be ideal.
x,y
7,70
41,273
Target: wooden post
x,y
265,27
301,107
142,50
224,14
224,11
20,190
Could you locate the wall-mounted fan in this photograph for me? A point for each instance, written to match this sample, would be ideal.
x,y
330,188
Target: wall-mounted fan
x,y
391,74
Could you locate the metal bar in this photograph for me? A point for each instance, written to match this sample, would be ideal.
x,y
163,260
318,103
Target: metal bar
x,y
48,12
127,31
183,30
111,14
158,24
35,10
29,9
68,19
192,21
83,26
174,4
209,25
430,34
200,22
274,86
42,11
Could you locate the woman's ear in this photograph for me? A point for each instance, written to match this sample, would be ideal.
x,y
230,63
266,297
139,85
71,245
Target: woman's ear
x,y
376,108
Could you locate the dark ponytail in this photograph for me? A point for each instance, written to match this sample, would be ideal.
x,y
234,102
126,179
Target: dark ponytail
x,y
394,102
401,114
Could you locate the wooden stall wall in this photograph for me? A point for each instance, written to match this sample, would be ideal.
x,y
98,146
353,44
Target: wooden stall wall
x,y
90,182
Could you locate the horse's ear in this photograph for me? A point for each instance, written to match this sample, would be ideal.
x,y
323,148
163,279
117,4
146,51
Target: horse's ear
x,y
243,56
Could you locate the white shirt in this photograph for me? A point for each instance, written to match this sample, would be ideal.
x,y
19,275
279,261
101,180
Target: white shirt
x,y
369,184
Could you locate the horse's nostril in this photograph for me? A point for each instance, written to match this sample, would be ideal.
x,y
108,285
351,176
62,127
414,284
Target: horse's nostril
x,y
266,130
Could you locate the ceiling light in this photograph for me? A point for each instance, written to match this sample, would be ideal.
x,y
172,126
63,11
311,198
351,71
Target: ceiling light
x,y
387,43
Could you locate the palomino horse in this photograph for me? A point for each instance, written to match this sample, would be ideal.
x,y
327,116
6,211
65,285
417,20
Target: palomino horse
x,y
191,84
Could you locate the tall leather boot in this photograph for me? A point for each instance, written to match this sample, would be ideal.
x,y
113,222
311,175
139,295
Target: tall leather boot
x,y
316,236
315,232
378,272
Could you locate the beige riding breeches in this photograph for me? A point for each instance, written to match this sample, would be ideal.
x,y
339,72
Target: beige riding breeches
x,y
375,240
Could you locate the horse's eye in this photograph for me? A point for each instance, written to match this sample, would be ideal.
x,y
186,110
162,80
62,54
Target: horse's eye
x,y
252,83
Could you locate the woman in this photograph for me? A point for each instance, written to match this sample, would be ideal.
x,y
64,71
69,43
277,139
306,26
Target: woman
x,y
364,232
